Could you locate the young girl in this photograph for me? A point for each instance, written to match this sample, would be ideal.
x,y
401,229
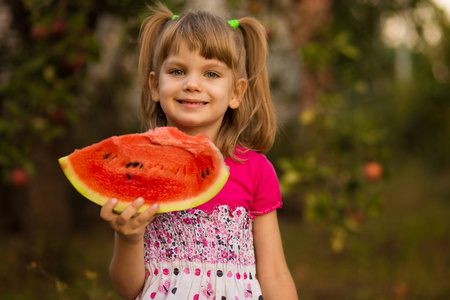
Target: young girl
x,y
205,75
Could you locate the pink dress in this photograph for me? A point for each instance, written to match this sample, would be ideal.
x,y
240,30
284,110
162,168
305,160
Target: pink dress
x,y
207,252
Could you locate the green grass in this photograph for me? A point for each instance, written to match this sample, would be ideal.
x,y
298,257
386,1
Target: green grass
x,y
402,254
83,276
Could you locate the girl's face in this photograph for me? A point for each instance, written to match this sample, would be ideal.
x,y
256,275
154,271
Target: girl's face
x,y
195,92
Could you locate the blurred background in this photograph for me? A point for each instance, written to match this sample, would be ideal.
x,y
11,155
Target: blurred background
x,y
362,91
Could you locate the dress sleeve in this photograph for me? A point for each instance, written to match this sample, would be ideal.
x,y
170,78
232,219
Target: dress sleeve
x,y
267,195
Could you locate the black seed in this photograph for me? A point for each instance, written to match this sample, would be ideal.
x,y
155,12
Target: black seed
x,y
106,156
141,166
207,172
129,176
128,165
174,290
203,175
135,164
219,273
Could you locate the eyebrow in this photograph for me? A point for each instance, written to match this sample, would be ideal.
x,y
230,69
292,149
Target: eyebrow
x,y
215,63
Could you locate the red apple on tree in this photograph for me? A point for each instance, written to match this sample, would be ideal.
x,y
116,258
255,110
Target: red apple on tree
x,y
59,116
59,27
19,177
39,32
74,62
356,216
373,171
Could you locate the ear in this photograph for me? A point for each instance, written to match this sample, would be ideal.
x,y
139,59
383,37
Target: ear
x,y
240,88
152,83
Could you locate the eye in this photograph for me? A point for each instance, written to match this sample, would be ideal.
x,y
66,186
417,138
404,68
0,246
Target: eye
x,y
212,75
176,72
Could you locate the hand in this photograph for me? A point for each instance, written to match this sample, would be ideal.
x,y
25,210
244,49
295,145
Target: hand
x,y
129,224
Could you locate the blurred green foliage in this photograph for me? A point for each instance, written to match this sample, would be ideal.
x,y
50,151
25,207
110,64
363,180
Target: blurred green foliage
x,y
44,72
365,116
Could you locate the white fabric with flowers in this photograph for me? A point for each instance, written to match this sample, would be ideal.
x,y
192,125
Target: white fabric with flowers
x,y
201,255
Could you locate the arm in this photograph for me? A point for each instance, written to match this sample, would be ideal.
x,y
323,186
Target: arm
x,y
127,270
271,268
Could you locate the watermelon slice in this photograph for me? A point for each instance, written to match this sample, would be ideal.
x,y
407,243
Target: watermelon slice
x,y
164,166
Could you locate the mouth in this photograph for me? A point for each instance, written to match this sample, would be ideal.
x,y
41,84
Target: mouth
x,y
192,102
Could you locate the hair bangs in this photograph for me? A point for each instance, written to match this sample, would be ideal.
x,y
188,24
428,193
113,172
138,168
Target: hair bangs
x,y
212,37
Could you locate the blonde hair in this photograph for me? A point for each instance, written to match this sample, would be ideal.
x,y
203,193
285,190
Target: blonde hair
x,y
244,50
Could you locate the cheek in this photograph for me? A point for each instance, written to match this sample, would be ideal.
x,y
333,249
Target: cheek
x,y
167,87
163,92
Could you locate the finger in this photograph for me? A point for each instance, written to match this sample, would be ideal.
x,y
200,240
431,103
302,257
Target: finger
x,y
149,214
107,211
132,209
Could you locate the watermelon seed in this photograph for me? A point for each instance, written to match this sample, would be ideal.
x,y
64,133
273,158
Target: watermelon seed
x,y
142,165
135,164
128,165
128,175
106,156
207,172
203,175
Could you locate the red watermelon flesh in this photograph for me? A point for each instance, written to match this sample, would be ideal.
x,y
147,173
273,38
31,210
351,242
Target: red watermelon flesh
x,y
164,166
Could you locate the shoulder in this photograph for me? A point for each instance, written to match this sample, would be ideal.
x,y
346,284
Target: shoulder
x,y
251,158
253,164
257,167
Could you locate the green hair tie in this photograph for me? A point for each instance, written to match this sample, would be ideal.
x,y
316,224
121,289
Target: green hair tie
x,y
174,17
234,23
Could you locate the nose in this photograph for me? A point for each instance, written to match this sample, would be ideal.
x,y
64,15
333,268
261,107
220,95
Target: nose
x,y
192,83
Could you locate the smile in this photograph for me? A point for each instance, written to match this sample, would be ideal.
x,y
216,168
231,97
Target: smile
x,y
191,102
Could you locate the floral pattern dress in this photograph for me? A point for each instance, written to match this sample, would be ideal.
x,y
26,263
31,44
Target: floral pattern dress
x,y
207,252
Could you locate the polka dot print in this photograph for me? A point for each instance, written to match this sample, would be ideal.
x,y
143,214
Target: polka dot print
x,y
208,256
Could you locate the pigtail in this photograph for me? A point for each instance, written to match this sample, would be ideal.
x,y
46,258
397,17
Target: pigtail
x,y
149,33
257,105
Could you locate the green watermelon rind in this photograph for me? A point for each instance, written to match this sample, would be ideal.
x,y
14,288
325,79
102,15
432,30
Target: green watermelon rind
x,y
101,200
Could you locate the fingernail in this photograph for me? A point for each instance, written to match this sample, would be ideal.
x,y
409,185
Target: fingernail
x,y
114,201
140,200
155,206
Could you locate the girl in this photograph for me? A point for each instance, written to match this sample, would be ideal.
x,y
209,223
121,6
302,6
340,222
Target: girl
x,y
204,75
